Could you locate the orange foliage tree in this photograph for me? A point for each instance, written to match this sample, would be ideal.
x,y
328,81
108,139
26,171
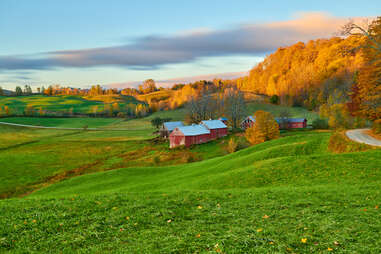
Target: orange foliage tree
x,y
265,128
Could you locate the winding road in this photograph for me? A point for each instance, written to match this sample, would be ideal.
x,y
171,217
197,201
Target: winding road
x,y
360,136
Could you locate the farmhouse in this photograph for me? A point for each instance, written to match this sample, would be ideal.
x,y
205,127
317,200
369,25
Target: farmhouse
x,y
189,135
247,122
217,128
292,123
168,127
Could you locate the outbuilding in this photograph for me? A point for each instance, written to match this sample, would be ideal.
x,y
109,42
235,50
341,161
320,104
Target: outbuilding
x,y
217,128
292,123
189,135
247,122
168,127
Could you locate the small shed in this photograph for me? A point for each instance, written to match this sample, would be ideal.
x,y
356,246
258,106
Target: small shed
x,y
247,122
217,128
168,127
189,135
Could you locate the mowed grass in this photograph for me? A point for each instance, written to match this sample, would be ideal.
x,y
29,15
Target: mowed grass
x,y
284,196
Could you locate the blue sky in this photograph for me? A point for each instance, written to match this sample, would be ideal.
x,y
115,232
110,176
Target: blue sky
x,y
79,43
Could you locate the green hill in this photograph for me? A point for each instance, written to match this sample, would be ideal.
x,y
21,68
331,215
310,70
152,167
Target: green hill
x,y
287,195
62,103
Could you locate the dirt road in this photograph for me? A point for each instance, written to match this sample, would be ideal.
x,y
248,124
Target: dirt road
x,y
360,136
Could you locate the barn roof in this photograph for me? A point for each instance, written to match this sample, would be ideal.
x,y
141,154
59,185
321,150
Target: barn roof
x,y
170,126
213,124
193,130
291,120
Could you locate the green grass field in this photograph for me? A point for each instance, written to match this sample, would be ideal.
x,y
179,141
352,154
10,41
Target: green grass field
x,y
61,103
289,195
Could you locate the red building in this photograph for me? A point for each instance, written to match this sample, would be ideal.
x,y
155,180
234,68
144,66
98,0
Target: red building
x,y
217,128
189,135
292,123
247,122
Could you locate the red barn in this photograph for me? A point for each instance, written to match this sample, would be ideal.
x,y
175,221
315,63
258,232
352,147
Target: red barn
x,y
292,123
188,135
217,128
247,122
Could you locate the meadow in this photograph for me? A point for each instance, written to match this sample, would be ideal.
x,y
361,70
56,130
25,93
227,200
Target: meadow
x,y
125,191
62,103
290,195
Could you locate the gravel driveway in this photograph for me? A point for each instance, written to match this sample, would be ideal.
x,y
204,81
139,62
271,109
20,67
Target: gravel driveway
x,y
360,136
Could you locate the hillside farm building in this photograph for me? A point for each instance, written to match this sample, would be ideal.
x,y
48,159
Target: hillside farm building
x,y
168,127
247,122
217,128
196,134
189,135
290,123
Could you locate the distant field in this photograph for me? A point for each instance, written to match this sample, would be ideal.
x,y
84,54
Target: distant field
x,y
61,103
275,110
62,122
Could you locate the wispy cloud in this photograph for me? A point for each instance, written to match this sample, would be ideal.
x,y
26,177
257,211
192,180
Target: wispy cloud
x,y
151,52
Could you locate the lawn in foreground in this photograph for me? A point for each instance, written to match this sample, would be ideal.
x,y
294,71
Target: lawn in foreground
x,y
340,218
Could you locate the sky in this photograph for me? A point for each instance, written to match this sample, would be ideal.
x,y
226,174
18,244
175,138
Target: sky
x,y
121,43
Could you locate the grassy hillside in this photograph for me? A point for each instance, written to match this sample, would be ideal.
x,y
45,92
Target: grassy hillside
x,y
287,195
60,103
62,122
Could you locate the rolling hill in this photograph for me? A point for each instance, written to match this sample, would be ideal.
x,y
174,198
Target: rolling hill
x,y
286,195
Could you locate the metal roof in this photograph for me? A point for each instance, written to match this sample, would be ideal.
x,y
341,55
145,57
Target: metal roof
x,y
214,124
193,130
291,120
170,126
223,119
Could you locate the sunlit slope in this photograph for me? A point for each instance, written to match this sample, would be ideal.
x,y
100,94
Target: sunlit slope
x,y
297,160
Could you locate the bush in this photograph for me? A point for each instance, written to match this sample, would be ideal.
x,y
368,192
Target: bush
x,y
232,146
376,127
190,158
339,143
320,123
274,99
156,159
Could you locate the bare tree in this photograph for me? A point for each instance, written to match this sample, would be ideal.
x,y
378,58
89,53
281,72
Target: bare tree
x,y
201,108
235,106
364,29
284,116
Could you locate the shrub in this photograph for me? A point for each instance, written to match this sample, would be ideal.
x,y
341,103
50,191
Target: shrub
x,y
232,146
339,143
376,127
190,158
121,115
274,99
156,159
320,123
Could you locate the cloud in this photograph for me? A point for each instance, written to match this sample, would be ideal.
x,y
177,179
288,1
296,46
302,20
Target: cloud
x,y
151,52
180,80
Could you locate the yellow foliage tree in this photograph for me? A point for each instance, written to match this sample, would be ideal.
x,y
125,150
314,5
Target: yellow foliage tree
x,y
265,128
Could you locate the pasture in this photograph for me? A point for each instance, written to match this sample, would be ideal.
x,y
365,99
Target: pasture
x,y
287,195
63,103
